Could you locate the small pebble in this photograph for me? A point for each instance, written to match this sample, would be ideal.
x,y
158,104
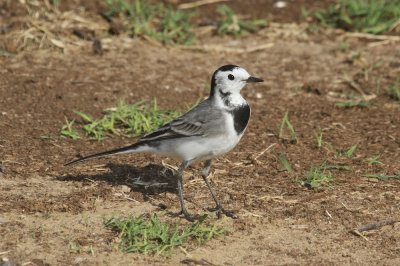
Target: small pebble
x,y
280,4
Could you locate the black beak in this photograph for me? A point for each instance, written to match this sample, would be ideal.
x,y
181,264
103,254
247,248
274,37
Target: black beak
x,y
253,79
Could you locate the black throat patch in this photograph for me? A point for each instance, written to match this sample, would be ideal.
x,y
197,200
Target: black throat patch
x,y
213,82
225,97
241,117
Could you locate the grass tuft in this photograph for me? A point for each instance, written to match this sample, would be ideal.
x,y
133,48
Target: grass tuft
x,y
74,246
148,234
284,161
230,23
319,139
383,176
347,153
336,167
394,90
371,16
361,103
317,177
159,22
67,130
374,160
130,120
285,121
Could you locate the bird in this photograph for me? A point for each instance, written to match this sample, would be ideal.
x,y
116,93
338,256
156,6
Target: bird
x,y
212,128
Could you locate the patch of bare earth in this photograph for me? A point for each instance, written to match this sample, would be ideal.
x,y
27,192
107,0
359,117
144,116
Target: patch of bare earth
x,y
51,214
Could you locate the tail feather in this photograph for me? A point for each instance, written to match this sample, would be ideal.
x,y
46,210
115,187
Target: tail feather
x,y
127,149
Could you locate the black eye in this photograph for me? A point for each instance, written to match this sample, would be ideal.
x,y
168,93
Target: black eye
x,y
231,77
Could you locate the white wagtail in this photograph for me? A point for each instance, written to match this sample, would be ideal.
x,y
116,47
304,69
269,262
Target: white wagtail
x,y
212,128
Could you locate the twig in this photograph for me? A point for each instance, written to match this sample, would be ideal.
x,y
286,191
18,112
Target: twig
x,y
376,225
88,179
199,3
354,85
359,234
43,29
202,262
344,206
10,161
371,36
152,40
184,251
126,197
267,149
247,213
224,49
378,43
169,166
327,213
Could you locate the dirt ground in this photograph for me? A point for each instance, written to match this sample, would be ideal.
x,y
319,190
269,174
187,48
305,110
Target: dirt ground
x,y
44,206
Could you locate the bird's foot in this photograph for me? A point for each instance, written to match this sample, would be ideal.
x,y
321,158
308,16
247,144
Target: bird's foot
x,y
227,213
190,217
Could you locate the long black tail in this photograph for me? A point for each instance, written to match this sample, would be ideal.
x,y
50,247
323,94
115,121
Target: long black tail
x,y
128,149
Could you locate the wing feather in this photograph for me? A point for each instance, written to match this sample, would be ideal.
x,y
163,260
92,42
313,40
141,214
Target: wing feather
x,y
196,122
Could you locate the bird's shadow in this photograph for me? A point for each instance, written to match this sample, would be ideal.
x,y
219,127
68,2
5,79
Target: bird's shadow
x,y
149,180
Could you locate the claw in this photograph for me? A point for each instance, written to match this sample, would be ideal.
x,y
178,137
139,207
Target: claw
x,y
227,213
191,217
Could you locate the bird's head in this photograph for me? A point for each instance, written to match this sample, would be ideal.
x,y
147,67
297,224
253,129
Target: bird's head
x,y
230,79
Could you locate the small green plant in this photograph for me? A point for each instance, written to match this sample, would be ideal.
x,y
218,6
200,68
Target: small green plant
x,y
130,120
350,151
50,137
319,139
86,220
317,177
383,176
394,91
336,167
304,12
96,200
341,48
56,3
74,246
6,53
156,21
139,14
284,161
67,130
378,84
230,23
147,234
347,153
368,68
175,27
285,121
352,104
374,160
372,16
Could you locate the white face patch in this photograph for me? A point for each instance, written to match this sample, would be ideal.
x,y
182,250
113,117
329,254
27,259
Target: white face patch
x,y
231,81
228,85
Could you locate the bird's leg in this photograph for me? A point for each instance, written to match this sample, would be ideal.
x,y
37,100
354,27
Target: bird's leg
x,y
204,174
188,216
